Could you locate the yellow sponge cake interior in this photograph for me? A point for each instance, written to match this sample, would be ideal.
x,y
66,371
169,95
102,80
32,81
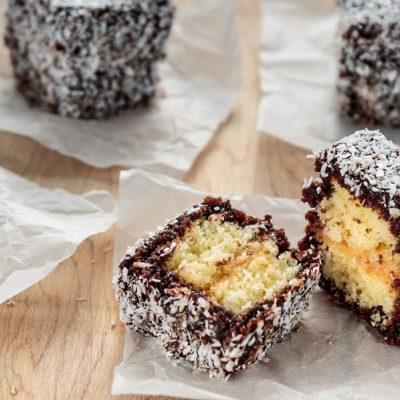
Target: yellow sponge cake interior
x,y
358,249
237,265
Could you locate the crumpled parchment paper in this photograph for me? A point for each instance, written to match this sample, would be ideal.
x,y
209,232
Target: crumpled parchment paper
x,y
41,227
199,83
332,356
299,56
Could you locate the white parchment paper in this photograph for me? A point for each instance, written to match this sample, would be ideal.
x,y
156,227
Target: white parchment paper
x,y
41,227
199,85
298,69
332,356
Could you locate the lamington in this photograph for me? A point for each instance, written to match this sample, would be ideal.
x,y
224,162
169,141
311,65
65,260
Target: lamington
x,y
369,71
355,222
87,58
216,287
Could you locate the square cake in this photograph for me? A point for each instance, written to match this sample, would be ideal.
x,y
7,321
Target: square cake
x,y
87,58
216,287
355,222
369,72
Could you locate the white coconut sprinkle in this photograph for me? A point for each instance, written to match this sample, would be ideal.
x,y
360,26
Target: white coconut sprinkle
x,y
367,161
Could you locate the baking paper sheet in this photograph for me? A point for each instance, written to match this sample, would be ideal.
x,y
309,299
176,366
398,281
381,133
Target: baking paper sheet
x,y
199,85
299,55
332,356
42,227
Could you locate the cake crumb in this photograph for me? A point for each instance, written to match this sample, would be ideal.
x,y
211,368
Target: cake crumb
x,y
161,93
11,303
265,360
14,390
81,299
113,325
92,261
329,339
296,328
107,249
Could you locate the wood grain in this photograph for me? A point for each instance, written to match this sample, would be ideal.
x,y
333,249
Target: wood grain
x,y
55,347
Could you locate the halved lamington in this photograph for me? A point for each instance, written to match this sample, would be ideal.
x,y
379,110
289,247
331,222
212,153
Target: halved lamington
x,y
355,221
216,287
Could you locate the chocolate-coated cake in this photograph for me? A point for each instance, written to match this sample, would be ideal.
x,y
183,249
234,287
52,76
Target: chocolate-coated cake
x,y
87,58
216,287
369,75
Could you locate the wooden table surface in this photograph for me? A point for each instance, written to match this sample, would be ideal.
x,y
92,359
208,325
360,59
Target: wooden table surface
x,y
53,347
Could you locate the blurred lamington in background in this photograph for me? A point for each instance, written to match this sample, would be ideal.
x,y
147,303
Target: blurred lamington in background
x,y
85,58
369,77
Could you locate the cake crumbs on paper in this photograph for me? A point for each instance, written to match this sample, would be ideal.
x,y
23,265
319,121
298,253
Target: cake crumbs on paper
x,y
296,328
92,261
113,324
161,93
81,299
11,303
14,390
329,339
107,249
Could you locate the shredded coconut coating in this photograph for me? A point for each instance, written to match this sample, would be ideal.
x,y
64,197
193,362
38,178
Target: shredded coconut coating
x,y
87,59
369,79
